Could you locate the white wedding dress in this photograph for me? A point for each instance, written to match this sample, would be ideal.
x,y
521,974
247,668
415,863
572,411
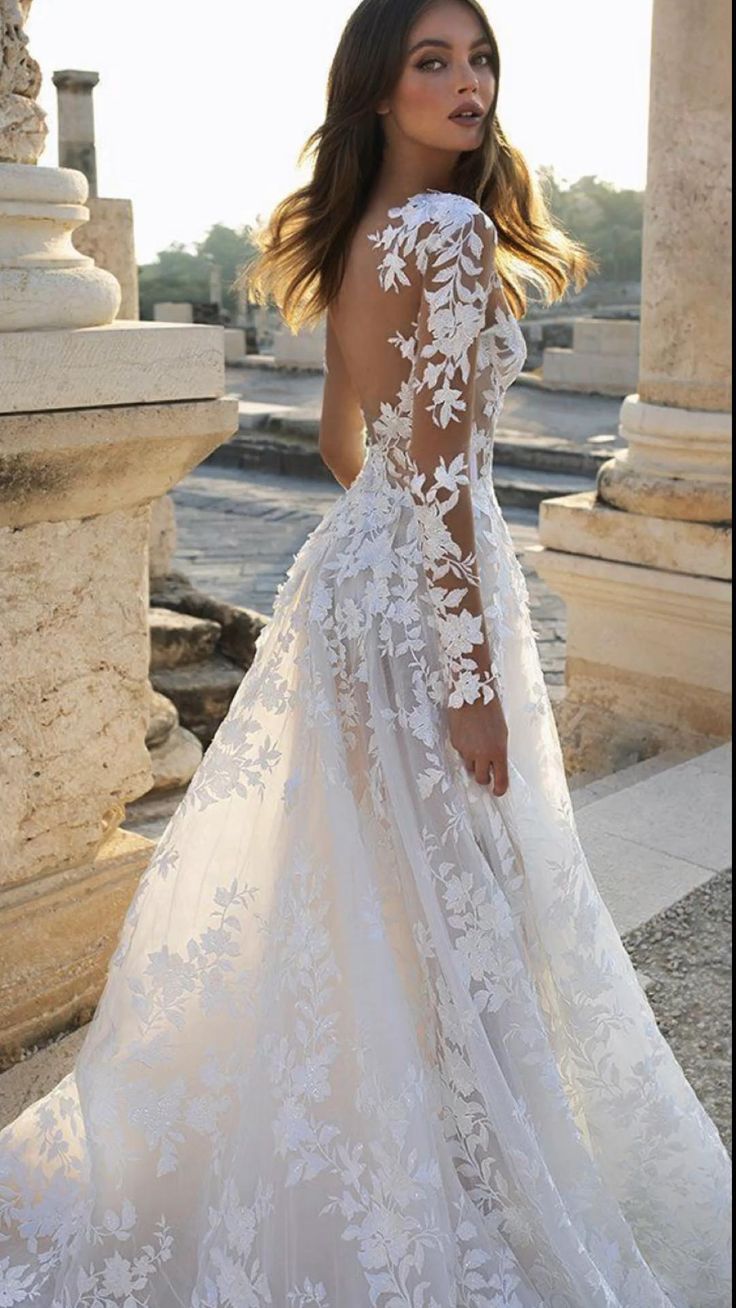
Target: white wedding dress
x,y
370,1038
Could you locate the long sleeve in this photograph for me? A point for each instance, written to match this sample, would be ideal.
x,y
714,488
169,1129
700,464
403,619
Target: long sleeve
x,y
456,262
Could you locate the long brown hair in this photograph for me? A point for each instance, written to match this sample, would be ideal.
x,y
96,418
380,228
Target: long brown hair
x,y
304,244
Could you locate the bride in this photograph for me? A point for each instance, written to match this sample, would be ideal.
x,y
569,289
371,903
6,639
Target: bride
x,y
370,1038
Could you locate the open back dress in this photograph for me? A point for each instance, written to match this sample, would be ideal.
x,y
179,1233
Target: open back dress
x,y
370,1038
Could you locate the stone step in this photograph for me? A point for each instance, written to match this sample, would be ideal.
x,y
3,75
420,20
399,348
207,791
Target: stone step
x,y
526,488
521,449
149,816
517,485
178,638
585,789
202,692
654,841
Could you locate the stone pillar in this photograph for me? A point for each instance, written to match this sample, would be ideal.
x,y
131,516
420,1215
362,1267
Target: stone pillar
x,y
645,566
97,419
107,237
77,122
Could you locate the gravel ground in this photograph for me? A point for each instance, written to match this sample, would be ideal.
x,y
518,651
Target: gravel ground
x,y
686,954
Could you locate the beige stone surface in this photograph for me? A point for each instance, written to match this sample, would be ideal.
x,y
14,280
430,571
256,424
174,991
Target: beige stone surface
x,y
173,311
162,720
108,238
122,363
648,659
162,538
581,524
44,281
33,1077
176,760
73,686
682,442
61,465
588,374
57,933
178,638
616,337
686,297
625,486
303,349
656,841
234,345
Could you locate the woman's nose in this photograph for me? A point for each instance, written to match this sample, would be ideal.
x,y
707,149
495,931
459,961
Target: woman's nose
x,y
468,80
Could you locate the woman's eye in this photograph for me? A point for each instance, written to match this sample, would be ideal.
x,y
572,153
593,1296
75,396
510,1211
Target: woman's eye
x,y
427,62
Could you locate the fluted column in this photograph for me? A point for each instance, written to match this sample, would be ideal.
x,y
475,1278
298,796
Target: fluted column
x,y
678,425
644,566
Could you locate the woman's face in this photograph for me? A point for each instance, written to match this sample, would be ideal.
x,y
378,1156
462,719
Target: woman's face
x,y
448,62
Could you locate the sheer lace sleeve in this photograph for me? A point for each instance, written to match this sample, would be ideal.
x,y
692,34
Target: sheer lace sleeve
x,y
456,262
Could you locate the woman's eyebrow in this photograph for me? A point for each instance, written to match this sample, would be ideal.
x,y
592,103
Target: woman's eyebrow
x,y
447,45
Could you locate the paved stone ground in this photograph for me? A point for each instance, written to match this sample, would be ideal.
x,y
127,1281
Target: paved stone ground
x,y
528,408
686,954
237,532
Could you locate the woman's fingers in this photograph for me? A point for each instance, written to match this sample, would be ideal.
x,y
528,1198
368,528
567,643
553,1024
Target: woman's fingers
x,y
500,776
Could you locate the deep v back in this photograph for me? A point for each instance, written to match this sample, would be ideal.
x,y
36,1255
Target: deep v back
x,y
425,247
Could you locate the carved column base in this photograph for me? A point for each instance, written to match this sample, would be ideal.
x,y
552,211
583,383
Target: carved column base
x,y
677,464
44,281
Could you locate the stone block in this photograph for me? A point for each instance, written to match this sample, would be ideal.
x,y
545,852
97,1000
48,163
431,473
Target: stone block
x,y
173,311
607,336
202,692
178,638
654,842
122,363
57,934
175,762
240,627
304,349
163,718
235,350
107,237
58,466
73,686
162,536
648,659
589,373
581,524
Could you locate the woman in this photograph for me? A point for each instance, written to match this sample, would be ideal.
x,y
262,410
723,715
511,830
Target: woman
x,y
370,1037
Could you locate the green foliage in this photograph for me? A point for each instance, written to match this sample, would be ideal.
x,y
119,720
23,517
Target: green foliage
x,y
177,274
608,222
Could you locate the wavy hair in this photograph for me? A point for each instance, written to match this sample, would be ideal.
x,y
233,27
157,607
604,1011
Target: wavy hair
x,y
303,246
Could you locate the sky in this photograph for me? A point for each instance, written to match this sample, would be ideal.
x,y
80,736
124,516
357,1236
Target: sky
x,y
202,109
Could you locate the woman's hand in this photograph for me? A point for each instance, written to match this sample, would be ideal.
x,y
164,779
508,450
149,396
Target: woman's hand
x,y
479,734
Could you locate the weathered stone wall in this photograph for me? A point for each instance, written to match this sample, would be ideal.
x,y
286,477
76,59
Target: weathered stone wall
x,y
74,682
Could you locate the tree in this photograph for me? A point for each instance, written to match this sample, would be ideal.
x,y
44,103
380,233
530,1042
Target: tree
x,y
607,221
180,275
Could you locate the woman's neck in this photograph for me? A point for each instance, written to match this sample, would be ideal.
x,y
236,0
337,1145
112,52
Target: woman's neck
x,y
405,173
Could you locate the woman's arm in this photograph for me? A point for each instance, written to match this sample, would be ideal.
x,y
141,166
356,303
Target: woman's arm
x,y
456,278
342,426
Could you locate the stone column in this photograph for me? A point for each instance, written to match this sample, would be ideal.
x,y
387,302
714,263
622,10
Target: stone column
x,y
97,419
645,565
77,122
108,236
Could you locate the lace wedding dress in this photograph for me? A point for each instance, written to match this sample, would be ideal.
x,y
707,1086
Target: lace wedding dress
x,y
370,1038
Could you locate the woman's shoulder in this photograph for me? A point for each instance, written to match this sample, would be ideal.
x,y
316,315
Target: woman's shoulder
x,y
446,209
